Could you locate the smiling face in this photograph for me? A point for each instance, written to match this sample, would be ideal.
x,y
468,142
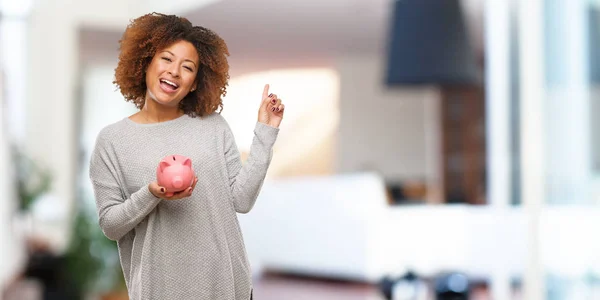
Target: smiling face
x,y
172,73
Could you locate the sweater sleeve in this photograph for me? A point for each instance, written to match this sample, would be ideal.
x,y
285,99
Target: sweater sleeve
x,y
117,215
246,180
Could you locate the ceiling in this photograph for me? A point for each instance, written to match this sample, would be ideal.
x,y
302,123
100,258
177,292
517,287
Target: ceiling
x,y
264,34
308,32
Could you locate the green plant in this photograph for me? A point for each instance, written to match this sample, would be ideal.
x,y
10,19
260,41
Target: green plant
x,y
31,178
93,259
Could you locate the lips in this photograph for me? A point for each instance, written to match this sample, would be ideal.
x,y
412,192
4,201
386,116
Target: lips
x,y
168,86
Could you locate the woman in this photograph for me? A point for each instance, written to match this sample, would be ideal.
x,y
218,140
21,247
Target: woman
x,y
189,245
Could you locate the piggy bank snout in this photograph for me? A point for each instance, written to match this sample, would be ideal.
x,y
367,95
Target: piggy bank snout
x,y
177,182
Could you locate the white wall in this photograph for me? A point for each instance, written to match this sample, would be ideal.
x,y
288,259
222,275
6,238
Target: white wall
x,y
595,127
51,96
180,7
53,73
383,129
10,251
101,105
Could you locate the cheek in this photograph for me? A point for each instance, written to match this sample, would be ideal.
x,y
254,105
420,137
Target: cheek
x,y
189,80
156,66
148,80
151,72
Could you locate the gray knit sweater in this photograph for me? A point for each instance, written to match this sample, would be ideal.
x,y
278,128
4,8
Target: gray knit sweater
x,y
179,249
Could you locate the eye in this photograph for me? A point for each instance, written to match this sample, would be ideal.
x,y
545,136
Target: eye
x,y
189,69
167,59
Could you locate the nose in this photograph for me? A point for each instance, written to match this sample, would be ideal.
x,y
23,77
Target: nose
x,y
174,71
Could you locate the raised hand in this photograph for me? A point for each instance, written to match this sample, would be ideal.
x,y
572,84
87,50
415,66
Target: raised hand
x,y
271,109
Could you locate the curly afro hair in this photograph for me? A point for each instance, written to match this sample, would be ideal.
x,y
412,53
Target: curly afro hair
x,y
150,33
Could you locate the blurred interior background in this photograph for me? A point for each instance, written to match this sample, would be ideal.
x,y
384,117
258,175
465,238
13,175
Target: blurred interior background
x,y
431,149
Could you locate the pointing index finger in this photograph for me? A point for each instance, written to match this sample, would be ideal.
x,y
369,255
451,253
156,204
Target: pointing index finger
x,y
266,91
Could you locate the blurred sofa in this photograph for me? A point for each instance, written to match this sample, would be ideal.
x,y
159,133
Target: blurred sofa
x,y
342,227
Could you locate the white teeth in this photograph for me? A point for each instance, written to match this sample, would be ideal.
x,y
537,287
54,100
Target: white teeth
x,y
170,83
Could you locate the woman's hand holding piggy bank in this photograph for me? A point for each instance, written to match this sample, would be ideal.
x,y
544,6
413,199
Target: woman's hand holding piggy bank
x,y
175,178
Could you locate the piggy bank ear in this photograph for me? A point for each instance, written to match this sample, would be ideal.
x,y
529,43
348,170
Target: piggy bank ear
x,y
187,162
163,165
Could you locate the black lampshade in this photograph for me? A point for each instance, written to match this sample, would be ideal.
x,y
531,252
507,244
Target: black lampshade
x,y
428,44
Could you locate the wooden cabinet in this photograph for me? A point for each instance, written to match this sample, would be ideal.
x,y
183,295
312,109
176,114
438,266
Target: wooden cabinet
x,y
463,144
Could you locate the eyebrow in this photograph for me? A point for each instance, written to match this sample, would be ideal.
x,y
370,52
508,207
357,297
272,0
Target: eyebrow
x,y
184,59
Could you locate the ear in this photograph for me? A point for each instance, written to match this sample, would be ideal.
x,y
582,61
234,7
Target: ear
x,y
187,162
163,165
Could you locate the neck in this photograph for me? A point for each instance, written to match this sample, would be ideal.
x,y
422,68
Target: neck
x,y
154,112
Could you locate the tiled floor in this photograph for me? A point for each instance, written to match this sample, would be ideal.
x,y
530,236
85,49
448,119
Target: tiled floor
x,y
272,286
277,286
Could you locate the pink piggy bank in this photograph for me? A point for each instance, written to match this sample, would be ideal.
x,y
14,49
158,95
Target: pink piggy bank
x,y
175,174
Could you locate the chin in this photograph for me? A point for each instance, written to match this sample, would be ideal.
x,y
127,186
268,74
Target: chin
x,y
166,100
168,103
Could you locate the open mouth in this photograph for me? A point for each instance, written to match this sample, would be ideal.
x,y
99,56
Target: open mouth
x,y
168,86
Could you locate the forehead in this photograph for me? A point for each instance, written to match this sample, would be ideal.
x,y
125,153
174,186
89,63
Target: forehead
x,y
183,49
